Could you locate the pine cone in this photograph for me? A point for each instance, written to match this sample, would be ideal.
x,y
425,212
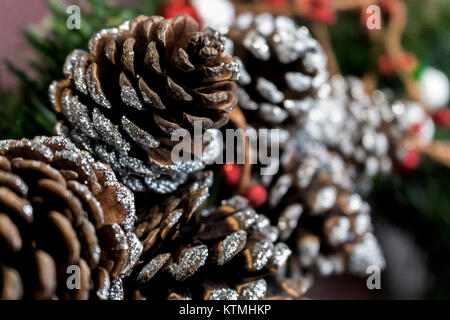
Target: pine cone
x,y
312,197
368,131
282,68
138,84
313,203
216,254
354,125
59,214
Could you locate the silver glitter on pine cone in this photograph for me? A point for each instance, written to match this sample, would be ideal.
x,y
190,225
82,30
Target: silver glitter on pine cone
x,y
282,67
63,212
138,84
366,131
223,253
314,202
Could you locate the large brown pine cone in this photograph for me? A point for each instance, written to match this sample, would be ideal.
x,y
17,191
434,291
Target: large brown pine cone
x,y
282,68
229,252
63,219
138,84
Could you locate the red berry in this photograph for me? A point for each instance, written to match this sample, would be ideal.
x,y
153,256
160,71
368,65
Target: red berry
x,y
415,128
323,15
407,62
385,65
256,195
176,7
411,160
318,10
442,117
277,3
231,174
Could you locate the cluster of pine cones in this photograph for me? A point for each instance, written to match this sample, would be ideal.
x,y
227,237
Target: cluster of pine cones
x,y
103,212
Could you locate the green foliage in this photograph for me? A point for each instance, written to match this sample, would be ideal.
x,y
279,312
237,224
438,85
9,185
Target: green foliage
x,y
353,49
428,31
26,112
425,35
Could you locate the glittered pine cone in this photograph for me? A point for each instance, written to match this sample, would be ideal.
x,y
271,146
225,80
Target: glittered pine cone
x,y
122,100
282,68
312,201
65,223
335,233
226,253
356,126
369,131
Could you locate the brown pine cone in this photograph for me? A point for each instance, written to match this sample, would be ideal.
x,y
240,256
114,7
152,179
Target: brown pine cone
x,y
64,222
282,68
138,84
224,253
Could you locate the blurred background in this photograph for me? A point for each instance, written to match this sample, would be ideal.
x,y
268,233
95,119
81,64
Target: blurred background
x,y
412,208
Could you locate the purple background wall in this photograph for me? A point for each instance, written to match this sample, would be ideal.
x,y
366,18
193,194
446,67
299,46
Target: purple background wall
x,y
14,15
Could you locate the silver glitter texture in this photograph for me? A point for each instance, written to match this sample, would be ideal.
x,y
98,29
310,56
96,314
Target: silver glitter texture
x,y
77,114
298,81
151,267
109,133
232,245
325,199
130,97
280,256
140,136
257,45
272,113
255,290
288,220
246,217
365,253
194,257
224,294
116,289
269,91
95,91
261,253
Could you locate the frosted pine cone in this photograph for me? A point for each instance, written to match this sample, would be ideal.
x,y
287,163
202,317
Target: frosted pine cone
x,y
61,213
282,68
311,199
353,124
227,253
139,83
367,130
313,203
